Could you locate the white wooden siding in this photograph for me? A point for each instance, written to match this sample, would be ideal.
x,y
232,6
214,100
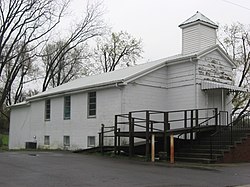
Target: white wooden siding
x,y
208,36
169,88
179,75
156,78
181,98
142,97
190,39
19,127
176,75
79,127
213,67
197,37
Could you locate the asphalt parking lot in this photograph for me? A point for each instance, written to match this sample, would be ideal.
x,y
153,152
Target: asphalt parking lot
x,y
52,169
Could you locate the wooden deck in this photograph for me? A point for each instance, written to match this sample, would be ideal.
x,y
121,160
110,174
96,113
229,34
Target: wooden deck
x,y
142,134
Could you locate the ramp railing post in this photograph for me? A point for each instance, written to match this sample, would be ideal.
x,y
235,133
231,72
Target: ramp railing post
x,y
216,116
115,135
152,126
196,117
152,148
102,138
197,123
191,125
185,123
119,141
147,135
131,135
172,149
166,128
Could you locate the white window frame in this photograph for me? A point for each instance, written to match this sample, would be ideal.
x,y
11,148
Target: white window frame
x,y
66,141
67,107
47,110
92,104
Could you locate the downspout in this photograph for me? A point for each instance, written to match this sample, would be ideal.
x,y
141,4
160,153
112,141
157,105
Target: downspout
x,y
121,88
195,85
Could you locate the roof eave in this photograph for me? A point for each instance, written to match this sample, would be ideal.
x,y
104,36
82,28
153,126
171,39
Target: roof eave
x,y
78,90
143,73
190,57
184,25
23,104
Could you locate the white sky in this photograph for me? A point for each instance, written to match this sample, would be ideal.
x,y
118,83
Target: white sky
x,y
156,21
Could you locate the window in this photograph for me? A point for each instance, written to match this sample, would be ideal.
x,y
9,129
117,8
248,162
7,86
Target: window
x,y
46,140
66,140
47,109
92,104
91,141
66,112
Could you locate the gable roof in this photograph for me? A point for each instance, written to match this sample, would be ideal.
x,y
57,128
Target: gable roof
x,y
220,50
198,18
121,76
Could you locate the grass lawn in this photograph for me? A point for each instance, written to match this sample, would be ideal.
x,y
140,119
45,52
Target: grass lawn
x,y
5,141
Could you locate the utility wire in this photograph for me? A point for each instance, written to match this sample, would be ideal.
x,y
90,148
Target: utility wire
x,y
236,4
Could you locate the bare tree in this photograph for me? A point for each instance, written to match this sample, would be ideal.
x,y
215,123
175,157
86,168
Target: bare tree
x,y
23,27
62,64
118,49
236,41
25,73
63,60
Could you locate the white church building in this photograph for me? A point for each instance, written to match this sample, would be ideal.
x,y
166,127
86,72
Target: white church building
x,y
70,116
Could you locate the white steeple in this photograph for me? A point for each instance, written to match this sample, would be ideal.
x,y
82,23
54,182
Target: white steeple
x,y
198,33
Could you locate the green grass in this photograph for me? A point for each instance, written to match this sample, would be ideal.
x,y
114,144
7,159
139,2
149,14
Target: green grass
x,y
4,139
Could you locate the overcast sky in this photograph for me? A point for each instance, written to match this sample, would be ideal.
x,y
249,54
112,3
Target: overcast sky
x,y
156,21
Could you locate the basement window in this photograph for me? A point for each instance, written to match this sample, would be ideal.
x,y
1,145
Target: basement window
x,y
66,141
91,141
46,140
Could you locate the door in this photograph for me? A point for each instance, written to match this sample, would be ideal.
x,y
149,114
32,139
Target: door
x,y
216,99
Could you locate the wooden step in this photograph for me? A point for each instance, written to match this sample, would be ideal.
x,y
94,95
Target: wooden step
x,y
216,151
201,146
195,160
198,155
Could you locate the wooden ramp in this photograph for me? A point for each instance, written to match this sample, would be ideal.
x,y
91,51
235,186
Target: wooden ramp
x,y
178,131
146,124
200,135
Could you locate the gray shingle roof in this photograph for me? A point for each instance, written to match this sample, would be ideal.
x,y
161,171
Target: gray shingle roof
x,y
122,76
198,17
118,76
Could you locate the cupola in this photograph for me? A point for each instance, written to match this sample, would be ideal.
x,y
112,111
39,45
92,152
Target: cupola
x,y
198,33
